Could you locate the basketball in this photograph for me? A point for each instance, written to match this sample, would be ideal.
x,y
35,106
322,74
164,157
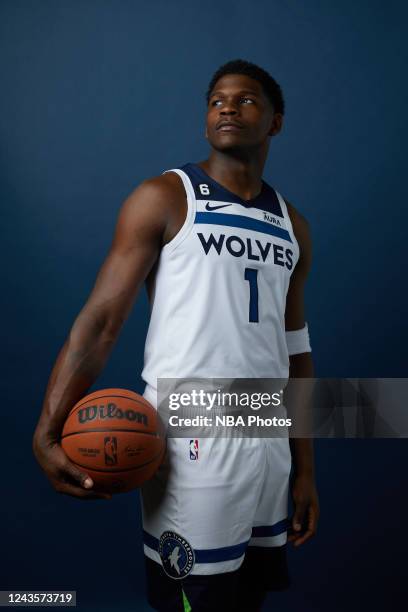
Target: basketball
x,y
116,437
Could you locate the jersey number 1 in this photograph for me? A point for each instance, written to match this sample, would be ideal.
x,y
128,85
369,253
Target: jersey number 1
x,y
251,275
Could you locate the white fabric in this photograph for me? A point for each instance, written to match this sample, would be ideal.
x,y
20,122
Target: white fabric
x,y
214,502
298,341
201,327
199,314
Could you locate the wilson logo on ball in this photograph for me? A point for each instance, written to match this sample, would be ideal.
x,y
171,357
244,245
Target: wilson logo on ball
x,y
111,411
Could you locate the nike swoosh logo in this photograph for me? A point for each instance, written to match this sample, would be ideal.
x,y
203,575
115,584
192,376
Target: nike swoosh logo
x,y
208,207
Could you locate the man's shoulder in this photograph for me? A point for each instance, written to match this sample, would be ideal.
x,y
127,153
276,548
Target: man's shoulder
x,y
300,224
169,185
296,217
157,195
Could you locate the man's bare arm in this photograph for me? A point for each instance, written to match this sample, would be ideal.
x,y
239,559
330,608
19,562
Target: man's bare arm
x,y
142,227
304,492
301,365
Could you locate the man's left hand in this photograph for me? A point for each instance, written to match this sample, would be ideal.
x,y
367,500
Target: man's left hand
x,y
306,509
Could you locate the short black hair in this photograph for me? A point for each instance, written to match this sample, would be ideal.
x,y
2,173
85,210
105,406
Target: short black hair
x,y
271,88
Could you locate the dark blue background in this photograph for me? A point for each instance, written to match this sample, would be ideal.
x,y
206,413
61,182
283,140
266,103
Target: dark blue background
x,y
96,97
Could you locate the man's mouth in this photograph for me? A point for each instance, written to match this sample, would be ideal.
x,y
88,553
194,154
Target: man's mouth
x,y
229,126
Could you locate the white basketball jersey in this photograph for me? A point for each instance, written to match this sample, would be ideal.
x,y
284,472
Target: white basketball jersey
x,y
218,303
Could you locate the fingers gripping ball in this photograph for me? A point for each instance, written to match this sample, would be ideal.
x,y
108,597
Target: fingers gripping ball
x,y
115,436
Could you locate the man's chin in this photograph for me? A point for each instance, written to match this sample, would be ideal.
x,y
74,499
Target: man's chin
x,y
230,147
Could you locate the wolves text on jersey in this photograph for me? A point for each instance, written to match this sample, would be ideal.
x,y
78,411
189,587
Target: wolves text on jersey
x,y
255,250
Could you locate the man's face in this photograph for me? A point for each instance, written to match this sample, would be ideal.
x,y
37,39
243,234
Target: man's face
x,y
239,114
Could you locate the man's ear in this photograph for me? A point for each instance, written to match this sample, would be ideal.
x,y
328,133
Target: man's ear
x,y
276,125
206,132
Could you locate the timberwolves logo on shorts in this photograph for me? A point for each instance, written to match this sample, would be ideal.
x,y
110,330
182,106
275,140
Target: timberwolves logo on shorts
x,y
176,554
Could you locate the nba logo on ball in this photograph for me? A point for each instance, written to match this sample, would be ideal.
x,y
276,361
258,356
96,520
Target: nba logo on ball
x,y
111,447
194,450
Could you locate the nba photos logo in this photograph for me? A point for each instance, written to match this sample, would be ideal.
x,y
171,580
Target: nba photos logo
x,y
194,450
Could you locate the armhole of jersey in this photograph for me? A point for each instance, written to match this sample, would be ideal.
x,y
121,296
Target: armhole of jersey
x,y
288,221
191,211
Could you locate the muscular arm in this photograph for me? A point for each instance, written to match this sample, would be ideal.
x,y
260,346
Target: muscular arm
x,y
145,222
304,494
301,365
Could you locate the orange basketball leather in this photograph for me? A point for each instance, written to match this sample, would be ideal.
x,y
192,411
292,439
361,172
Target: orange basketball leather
x,y
116,437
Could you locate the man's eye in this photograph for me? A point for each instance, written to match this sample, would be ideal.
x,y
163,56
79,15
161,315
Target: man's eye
x,y
219,102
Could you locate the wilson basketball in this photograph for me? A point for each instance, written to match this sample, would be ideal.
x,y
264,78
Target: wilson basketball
x,y
116,437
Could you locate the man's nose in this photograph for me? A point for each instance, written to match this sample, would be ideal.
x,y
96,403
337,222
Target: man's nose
x,y
229,107
229,110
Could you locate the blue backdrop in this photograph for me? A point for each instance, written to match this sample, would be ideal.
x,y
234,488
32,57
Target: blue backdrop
x,y
96,97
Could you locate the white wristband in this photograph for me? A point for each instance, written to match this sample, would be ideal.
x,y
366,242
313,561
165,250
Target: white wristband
x,y
298,341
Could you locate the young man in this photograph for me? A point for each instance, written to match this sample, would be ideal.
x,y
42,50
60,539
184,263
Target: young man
x,y
225,259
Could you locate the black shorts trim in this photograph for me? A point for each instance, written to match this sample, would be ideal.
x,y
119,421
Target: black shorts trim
x,y
263,569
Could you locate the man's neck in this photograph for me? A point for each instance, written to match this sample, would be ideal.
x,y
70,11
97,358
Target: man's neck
x,y
243,177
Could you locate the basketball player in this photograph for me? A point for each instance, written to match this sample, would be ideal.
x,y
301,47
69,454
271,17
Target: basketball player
x,y
225,259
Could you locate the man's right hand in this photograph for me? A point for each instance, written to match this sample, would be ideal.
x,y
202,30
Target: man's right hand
x,y
65,476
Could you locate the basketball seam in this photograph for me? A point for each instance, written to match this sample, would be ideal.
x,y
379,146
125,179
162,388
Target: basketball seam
x,y
122,470
109,429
